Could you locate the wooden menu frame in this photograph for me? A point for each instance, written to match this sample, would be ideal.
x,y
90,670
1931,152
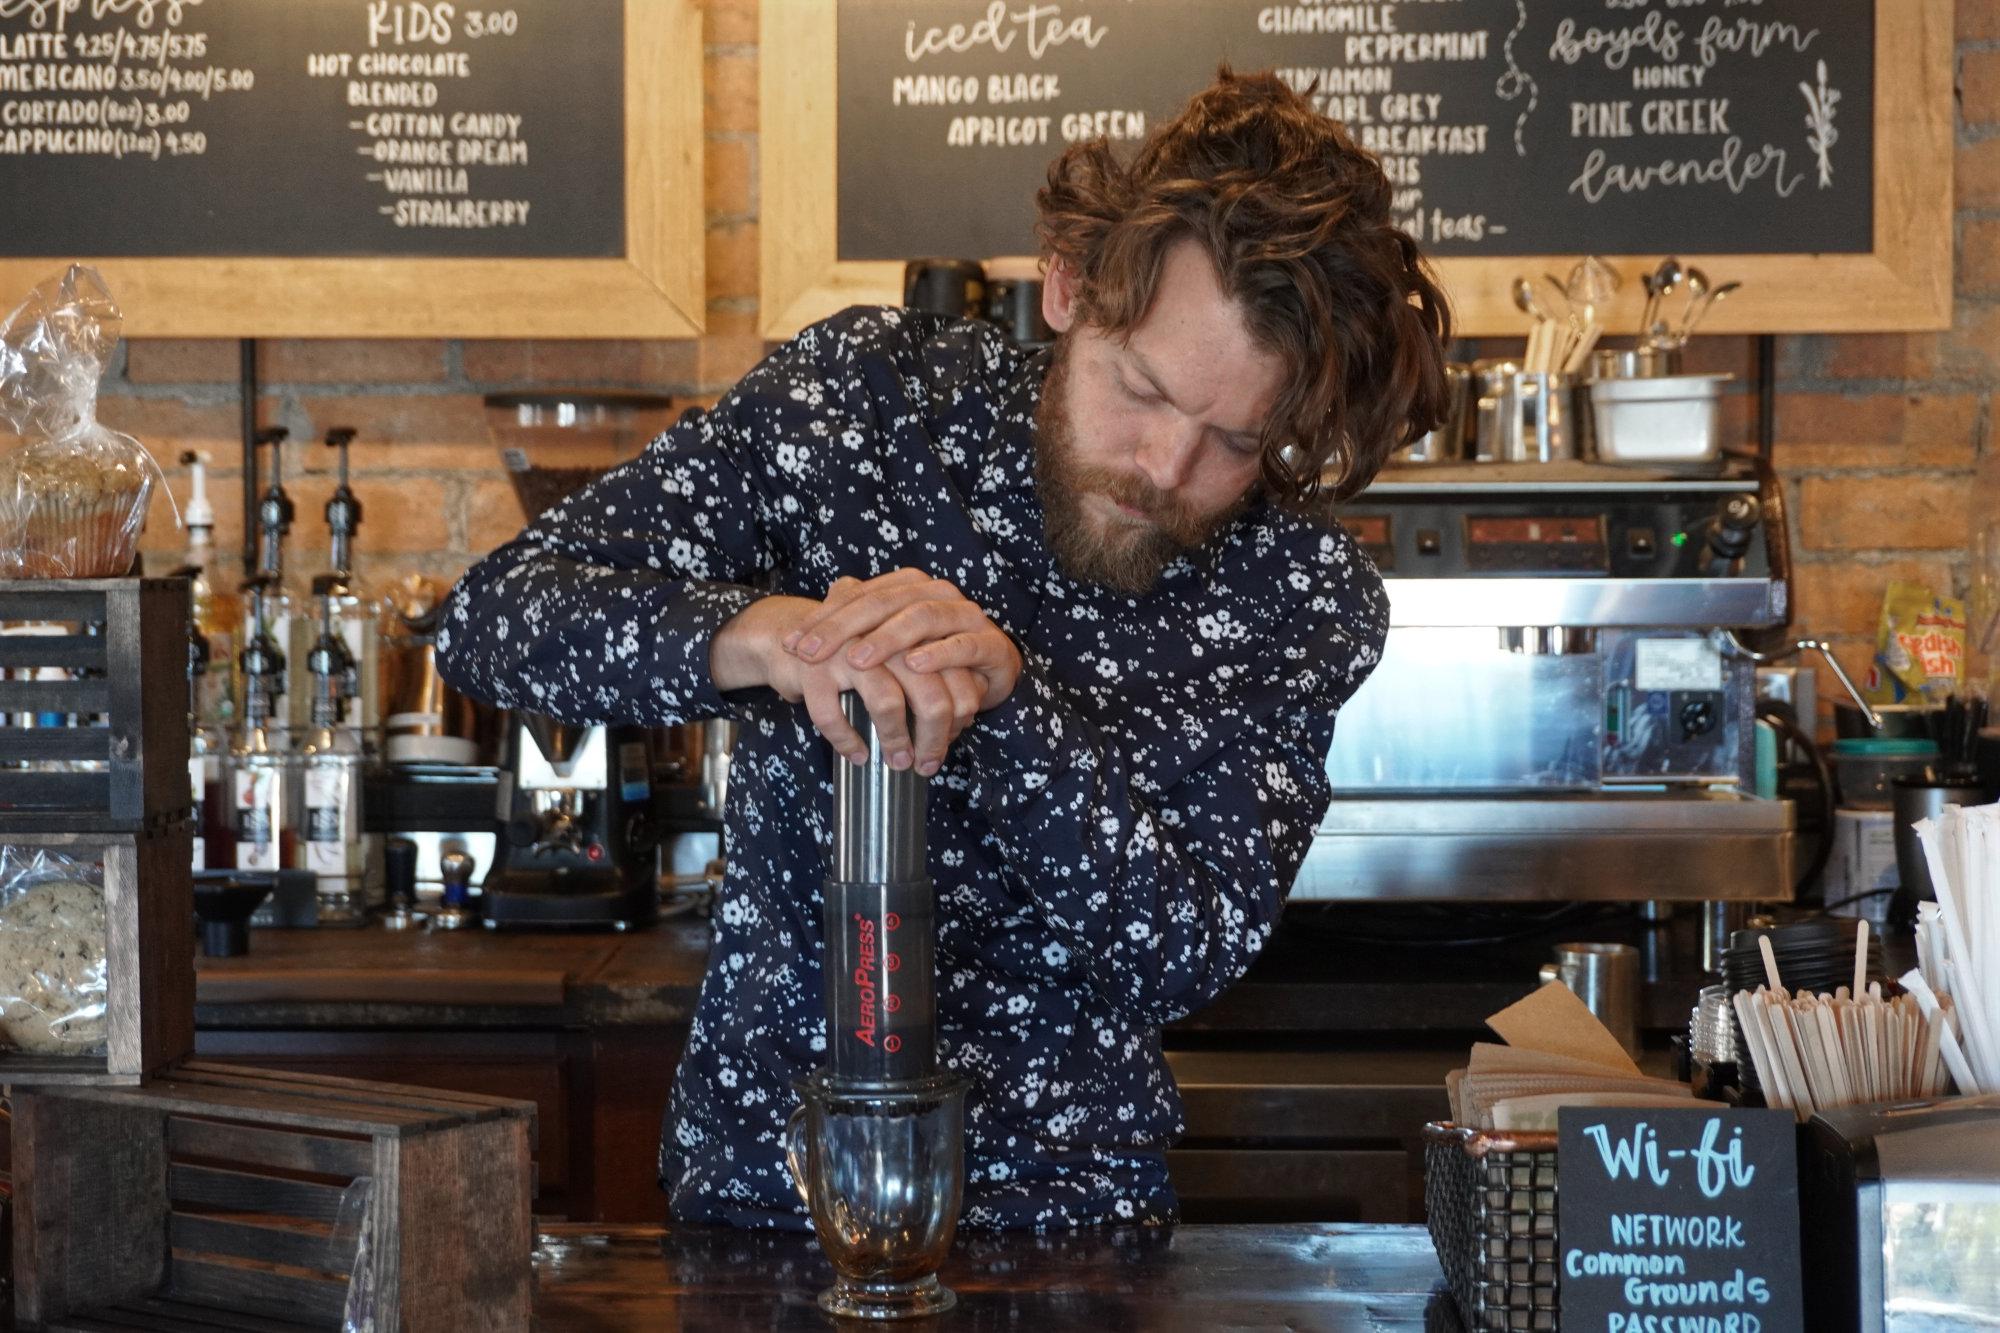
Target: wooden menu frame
x,y
656,290
1904,283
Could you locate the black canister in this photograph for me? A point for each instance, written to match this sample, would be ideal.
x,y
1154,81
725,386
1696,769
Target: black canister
x,y
953,287
877,917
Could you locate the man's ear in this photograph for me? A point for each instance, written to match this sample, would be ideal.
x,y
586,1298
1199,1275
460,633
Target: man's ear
x,y
1059,295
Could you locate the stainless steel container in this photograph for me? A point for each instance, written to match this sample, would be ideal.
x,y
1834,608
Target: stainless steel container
x,y
1451,441
1634,363
1659,419
1606,978
1523,416
1917,801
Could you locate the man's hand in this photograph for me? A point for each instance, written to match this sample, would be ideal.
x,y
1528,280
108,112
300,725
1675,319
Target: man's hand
x,y
926,624
748,651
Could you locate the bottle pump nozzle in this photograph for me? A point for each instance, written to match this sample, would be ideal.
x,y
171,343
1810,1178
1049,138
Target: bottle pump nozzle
x,y
343,508
274,509
329,663
199,512
263,661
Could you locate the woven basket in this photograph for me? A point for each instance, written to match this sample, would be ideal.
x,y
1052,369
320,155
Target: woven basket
x,y
1491,1202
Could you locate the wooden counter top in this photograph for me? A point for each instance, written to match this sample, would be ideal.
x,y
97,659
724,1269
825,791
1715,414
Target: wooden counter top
x,y
1316,1276
383,978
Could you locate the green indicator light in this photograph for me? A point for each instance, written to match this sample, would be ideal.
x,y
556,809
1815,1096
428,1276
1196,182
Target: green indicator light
x,y
1680,539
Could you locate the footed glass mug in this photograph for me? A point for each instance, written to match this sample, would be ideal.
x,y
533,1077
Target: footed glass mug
x,y
882,1172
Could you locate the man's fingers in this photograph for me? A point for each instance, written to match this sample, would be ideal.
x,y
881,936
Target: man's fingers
x,y
967,689
822,697
883,694
823,632
916,623
975,649
944,704
988,653
932,706
844,590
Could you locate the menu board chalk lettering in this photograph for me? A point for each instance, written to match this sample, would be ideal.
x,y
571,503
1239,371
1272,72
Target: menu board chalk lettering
x,y
312,128
1505,127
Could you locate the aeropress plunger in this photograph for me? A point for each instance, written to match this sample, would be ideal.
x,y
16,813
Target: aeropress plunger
x,y
877,1145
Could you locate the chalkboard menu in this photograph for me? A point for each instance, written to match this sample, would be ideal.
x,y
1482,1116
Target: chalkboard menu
x,y
1678,1219
321,128
1507,127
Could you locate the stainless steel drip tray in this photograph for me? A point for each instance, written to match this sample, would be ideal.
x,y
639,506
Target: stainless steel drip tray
x,y
1605,846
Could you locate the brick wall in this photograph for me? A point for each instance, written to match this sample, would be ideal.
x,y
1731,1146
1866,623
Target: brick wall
x,y
1881,439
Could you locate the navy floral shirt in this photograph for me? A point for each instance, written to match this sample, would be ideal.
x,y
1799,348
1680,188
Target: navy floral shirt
x,y
1110,845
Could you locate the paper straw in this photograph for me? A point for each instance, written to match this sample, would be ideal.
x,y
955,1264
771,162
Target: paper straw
x,y
1931,834
1985,908
1954,1058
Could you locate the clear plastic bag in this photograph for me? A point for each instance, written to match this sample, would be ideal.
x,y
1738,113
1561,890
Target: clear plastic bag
x,y
73,492
52,945
354,1234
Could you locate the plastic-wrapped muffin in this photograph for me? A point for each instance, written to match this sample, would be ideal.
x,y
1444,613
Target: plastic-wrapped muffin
x,y
73,492
70,512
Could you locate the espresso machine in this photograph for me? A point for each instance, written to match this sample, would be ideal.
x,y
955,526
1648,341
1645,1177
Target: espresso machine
x,y
1565,707
877,1144
578,845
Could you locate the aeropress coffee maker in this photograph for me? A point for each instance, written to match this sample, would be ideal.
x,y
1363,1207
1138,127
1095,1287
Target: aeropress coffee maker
x,y
877,1145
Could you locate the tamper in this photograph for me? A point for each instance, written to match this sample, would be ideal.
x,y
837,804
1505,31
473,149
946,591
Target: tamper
x,y
455,913
877,1145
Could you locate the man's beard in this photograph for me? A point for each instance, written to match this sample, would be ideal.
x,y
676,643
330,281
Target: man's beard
x,y
1125,555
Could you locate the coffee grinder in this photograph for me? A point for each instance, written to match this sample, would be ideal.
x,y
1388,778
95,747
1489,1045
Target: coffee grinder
x,y
877,1145
578,847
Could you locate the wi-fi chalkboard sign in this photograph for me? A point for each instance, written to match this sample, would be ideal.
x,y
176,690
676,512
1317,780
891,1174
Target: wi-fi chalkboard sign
x,y
1512,132
1672,1219
409,132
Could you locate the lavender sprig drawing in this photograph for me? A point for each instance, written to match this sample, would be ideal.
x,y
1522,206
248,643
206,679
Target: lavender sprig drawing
x,y
1514,80
1819,119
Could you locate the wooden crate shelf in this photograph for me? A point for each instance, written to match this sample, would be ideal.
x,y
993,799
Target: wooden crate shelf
x,y
148,958
125,643
128,639
224,1197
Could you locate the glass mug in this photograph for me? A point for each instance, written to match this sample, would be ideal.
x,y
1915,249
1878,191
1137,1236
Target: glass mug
x,y
882,1172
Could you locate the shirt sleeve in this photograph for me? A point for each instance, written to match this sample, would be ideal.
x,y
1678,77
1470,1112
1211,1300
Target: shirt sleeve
x,y
1166,903
605,607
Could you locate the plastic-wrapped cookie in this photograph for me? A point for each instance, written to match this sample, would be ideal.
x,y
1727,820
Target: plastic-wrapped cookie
x,y
52,979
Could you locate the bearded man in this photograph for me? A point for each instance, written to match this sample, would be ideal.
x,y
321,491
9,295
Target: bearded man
x,y
1102,580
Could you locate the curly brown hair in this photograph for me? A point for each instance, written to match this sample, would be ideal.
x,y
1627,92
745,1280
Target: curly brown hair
x,y
1295,216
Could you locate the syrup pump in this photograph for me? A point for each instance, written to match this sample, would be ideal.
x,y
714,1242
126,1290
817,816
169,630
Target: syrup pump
x,y
276,614
352,608
877,1145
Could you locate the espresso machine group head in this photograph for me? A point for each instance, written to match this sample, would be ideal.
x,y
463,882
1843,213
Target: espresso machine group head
x,y
578,845
877,1144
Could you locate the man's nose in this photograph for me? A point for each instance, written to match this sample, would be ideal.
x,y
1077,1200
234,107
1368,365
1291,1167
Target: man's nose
x,y
1167,453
